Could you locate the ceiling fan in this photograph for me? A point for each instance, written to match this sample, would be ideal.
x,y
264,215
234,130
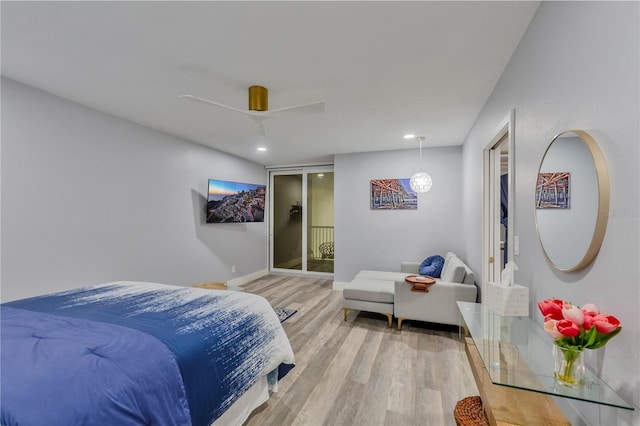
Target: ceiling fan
x,y
258,109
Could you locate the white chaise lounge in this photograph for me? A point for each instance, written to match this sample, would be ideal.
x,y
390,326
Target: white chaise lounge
x,y
387,293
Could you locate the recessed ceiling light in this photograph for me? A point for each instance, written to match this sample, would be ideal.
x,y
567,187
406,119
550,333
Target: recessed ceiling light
x,y
409,136
262,149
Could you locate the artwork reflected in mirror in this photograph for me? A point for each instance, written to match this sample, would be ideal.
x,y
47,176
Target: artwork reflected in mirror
x,y
572,199
553,191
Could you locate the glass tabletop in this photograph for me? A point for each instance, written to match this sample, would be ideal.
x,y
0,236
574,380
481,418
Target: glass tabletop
x,y
516,352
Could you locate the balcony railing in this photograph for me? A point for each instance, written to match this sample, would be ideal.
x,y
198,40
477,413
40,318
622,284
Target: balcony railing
x,y
319,235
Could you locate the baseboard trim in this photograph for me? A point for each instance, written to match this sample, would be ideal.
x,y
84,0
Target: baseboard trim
x,y
339,285
240,281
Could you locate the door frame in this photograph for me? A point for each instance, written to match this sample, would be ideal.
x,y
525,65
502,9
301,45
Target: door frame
x,y
491,200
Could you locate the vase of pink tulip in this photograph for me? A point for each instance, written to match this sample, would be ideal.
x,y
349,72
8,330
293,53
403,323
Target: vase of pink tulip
x,y
575,329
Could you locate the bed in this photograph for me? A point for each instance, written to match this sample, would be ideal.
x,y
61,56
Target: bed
x,y
139,353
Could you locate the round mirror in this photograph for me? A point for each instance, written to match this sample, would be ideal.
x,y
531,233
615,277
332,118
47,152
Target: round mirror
x,y
572,200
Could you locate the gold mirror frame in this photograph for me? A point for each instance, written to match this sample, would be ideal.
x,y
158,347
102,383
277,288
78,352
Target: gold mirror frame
x,y
602,176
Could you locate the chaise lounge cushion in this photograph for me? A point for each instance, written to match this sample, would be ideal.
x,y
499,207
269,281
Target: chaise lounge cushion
x,y
432,266
454,271
370,290
382,275
469,278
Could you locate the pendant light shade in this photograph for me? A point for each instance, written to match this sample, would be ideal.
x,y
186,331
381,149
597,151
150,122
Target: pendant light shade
x,y
420,182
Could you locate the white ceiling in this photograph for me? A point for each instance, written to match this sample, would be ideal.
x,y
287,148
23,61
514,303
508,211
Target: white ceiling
x,y
383,68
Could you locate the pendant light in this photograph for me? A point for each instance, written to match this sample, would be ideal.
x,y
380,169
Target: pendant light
x,y
420,182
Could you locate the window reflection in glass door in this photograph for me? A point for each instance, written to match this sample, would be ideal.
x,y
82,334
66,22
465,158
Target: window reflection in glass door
x,y
287,221
320,222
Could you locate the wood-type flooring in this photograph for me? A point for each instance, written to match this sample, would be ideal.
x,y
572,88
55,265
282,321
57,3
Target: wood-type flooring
x,y
360,372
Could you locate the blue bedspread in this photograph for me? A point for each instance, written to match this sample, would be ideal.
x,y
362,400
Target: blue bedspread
x,y
134,353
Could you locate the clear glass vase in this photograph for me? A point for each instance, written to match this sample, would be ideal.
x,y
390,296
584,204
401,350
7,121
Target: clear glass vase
x,y
568,366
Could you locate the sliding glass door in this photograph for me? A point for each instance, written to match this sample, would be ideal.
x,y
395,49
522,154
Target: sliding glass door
x,y
301,228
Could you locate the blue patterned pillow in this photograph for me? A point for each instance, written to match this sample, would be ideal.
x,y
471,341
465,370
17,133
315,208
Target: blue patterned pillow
x,y
432,266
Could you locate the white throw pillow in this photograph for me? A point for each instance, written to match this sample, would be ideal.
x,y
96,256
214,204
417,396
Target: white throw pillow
x,y
454,270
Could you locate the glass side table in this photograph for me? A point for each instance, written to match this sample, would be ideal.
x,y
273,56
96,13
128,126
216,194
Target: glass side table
x,y
517,352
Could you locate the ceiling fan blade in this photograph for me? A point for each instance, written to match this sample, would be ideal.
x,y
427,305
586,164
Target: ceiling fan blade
x,y
258,126
218,104
258,116
310,107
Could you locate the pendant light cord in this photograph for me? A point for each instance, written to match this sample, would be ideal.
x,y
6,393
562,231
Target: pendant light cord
x,y
420,139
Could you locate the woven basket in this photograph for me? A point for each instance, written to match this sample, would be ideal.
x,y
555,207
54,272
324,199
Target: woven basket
x,y
469,412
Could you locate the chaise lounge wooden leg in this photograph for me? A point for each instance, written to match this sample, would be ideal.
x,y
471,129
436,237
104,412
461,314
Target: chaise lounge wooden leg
x,y
345,313
390,319
400,323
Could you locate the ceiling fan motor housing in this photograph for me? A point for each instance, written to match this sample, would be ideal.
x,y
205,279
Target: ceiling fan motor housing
x,y
258,98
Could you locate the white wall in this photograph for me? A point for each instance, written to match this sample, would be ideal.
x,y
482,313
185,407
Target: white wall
x,y
88,197
381,239
575,68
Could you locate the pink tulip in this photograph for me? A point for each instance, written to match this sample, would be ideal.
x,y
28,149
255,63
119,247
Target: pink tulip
x,y
550,327
551,308
588,320
568,328
572,313
605,324
590,308
549,318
